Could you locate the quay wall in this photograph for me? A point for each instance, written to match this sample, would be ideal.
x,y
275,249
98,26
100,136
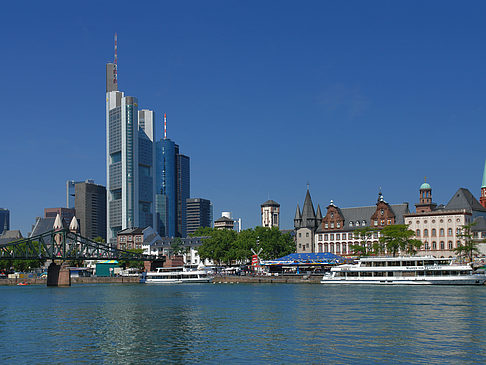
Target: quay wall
x,y
74,280
291,279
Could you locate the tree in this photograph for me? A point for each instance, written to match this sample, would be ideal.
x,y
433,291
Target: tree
x,y
22,265
133,263
398,238
363,235
470,246
177,247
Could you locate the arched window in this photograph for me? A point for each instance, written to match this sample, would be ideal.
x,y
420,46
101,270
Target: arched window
x,y
320,247
326,247
449,245
332,247
417,233
338,248
441,232
442,246
434,245
344,248
434,232
426,232
458,243
426,245
449,231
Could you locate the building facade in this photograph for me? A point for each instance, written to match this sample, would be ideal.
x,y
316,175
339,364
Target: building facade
x,y
129,160
4,220
270,211
440,228
198,214
90,206
64,213
337,230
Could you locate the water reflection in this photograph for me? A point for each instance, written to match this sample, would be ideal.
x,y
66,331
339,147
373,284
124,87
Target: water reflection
x,y
242,323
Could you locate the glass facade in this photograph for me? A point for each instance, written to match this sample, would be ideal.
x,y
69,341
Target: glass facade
x,y
4,220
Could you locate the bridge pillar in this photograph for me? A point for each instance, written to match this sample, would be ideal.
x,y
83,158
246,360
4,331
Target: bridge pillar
x,y
58,275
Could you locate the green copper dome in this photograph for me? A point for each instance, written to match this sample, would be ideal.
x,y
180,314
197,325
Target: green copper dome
x,y
425,186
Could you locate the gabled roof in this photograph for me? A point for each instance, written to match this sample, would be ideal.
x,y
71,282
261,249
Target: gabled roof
x,y
308,211
463,199
44,225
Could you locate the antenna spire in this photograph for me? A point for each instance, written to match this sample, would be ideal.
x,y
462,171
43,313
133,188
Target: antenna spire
x,y
165,125
115,78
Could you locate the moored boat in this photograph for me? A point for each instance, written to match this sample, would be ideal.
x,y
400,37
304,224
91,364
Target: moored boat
x,y
404,271
175,275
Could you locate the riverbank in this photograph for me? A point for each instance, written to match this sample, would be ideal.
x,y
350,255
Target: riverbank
x,y
79,280
286,279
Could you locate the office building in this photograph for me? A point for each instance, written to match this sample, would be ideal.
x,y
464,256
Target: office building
x,y
90,206
70,191
172,188
64,213
4,220
198,214
129,160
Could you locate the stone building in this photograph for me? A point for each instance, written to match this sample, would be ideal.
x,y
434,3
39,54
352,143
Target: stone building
x,y
305,225
270,211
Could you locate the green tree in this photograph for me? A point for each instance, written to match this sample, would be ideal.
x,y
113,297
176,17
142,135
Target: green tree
x,y
363,235
469,248
133,263
177,247
398,238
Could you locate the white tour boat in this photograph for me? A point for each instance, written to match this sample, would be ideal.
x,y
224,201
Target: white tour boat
x,y
404,271
175,275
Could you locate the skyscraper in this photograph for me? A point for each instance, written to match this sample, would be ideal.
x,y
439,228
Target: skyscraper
x,y
4,220
129,160
172,188
198,214
90,206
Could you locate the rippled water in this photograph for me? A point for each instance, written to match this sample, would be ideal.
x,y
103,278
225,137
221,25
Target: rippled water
x,y
242,323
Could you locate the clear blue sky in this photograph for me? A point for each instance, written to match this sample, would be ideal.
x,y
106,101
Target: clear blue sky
x,y
264,96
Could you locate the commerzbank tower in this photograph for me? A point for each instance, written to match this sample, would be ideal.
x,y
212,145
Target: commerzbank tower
x,y
130,159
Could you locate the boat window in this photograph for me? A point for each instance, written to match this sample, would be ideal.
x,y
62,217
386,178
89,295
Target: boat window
x,y
365,274
390,273
379,273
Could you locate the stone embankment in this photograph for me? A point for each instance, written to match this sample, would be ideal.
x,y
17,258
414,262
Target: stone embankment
x,y
290,279
80,280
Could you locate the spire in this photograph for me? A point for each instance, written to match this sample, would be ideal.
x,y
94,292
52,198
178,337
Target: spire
x,y
308,212
115,71
318,214
297,218
165,125
483,185
74,226
57,222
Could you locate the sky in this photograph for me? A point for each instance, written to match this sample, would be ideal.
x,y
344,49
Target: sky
x,y
264,96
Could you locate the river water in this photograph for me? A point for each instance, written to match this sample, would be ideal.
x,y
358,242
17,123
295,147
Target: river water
x,y
242,323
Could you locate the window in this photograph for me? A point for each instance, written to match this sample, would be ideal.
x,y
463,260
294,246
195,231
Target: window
x,y
350,224
326,247
375,235
320,247
338,248
458,243
344,248
449,231
332,247
458,230
417,233
320,237
363,223
332,225
427,246
441,232
388,221
338,236
307,234
449,245
332,236
338,225
326,237
300,234
376,222
357,223
483,234
326,225
434,232
382,212
442,246
434,245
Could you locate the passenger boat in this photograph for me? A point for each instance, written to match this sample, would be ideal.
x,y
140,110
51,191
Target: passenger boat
x,y
404,271
175,275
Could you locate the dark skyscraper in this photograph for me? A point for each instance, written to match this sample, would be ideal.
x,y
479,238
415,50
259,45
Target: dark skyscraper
x,y
198,214
90,206
4,220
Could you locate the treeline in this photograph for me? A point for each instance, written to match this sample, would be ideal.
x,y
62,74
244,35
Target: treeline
x,y
225,246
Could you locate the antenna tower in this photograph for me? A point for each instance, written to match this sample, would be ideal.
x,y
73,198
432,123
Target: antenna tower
x,y
165,125
115,78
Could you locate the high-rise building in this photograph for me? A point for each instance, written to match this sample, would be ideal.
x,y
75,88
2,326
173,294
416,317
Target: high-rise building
x,y
198,214
70,191
129,160
172,188
64,213
90,206
4,220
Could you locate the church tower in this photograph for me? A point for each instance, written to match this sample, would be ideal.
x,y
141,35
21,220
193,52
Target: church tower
x,y
305,225
482,199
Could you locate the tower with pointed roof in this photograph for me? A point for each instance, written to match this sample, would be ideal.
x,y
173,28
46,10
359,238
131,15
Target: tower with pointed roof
x,y
482,199
305,225
425,202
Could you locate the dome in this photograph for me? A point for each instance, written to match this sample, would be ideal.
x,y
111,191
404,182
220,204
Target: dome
x,y
425,186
